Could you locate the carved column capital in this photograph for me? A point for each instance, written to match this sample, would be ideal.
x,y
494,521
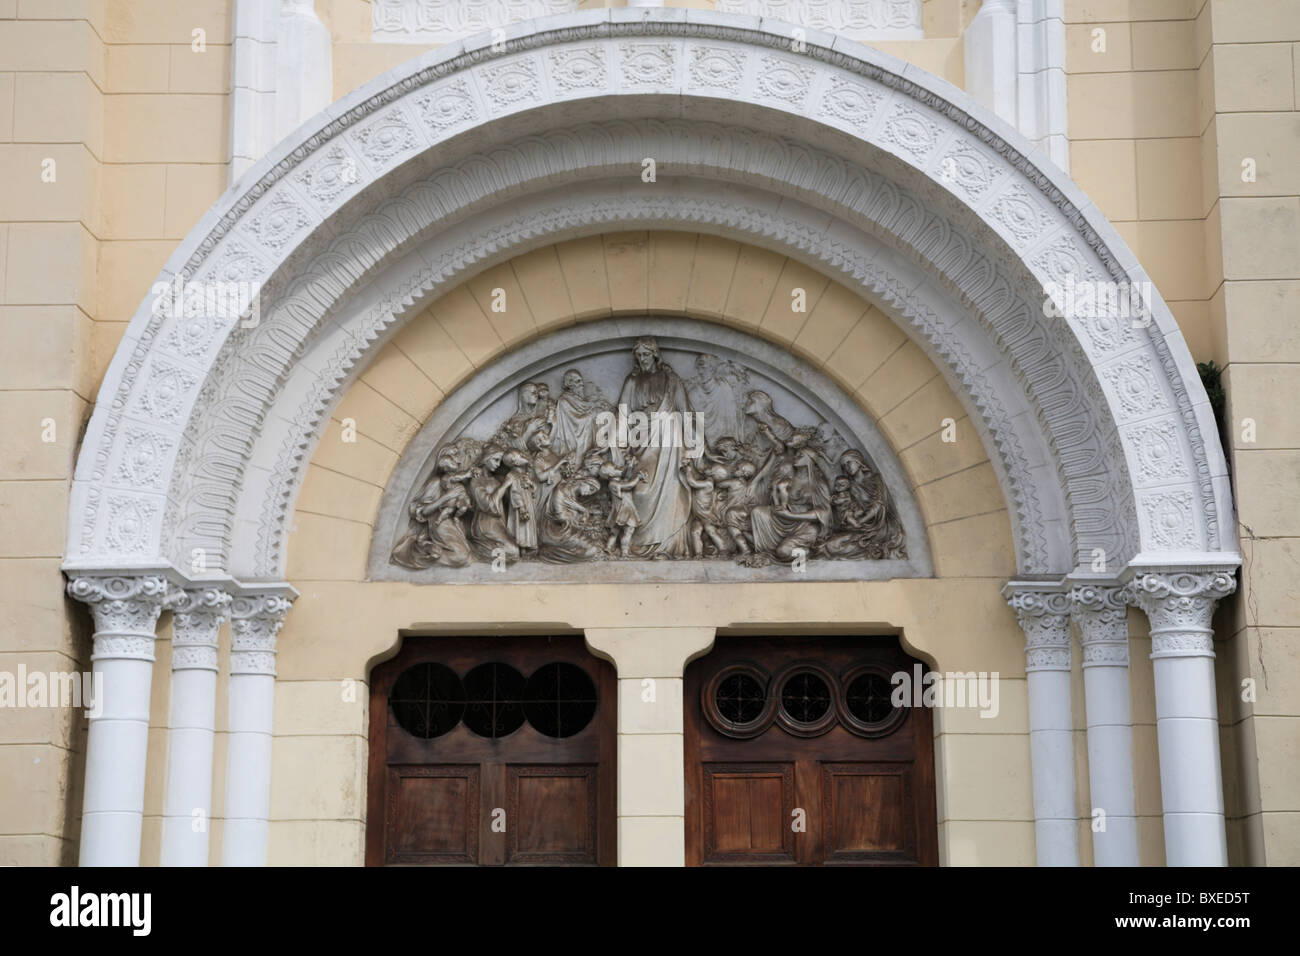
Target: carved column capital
x,y
1102,615
197,614
1180,605
1044,616
125,609
255,620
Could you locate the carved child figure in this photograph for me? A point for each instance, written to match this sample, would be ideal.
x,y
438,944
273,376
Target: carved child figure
x,y
739,494
849,514
622,512
522,521
704,505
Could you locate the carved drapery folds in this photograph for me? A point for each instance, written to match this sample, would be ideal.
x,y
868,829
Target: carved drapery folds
x,y
125,609
1044,616
671,467
1180,605
1102,615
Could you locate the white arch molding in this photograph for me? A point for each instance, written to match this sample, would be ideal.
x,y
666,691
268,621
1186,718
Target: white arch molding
x,y
868,169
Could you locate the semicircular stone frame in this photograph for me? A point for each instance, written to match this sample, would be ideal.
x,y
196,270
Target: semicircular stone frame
x,y
874,172
809,397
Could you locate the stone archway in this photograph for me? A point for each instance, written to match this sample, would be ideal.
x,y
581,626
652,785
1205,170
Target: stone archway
x,y
865,169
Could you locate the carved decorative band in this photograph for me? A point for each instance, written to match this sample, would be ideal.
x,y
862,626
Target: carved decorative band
x,y
1044,616
254,623
1180,606
125,610
1102,615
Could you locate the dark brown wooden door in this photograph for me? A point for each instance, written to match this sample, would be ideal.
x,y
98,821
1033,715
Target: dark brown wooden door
x,y
795,755
492,751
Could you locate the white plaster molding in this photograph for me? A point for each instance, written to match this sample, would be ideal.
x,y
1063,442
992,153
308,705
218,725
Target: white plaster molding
x,y
906,118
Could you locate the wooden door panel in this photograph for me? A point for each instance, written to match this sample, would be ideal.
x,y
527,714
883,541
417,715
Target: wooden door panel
x,y
747,809
868,813
554,814
433,812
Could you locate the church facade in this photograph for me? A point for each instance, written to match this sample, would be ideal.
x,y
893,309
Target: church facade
x,y
728,433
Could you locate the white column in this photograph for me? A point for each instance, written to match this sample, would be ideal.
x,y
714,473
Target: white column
x,y
1044,615
1102,616
651,800
197,614
1180,605
126,612
304,73
990,49
255,619
254,25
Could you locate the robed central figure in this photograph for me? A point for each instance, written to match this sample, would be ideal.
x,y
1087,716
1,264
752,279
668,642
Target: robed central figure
x,y
663,502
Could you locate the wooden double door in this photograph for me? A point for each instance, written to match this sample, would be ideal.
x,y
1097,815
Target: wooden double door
x,y
795,754
492,751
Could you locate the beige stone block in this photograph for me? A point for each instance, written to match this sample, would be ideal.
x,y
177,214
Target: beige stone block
x,y
318,778
1146,767
1266,483
836,312
468,327
35,850
1267,143
1264,393
1193,320
985,777
32,247
1133,105
348,20
1209,150
400,381
650,705
189,191
941,18
200,72
35,807
1261,238
33,514
132,202
1106,169
497,288
42,429
970,492
48,705
1093,48
898,377
356,64
651,841
978,546
583,264
714,266
942,56
933,458
1093,11
51,45
1214,248
104,339
127,270
670,265
797,288
1240,742
6,107
326,492
1254,21
1250,77
1165,45
1173,254
1008,714
164,21
31,194
866,347
329,707
649,652
651,772
170,128
627,269
1277,741
1281,839
57,108
364,458
137,68
542,281
44,347
1265,321
426,343
1151,841
1169,178
927,410
988,843
752,285
322,548
316,843
36,616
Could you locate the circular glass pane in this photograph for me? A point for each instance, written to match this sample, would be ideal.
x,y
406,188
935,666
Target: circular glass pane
x,y
494,695
560,700
868,698
805,698
739,698
427,700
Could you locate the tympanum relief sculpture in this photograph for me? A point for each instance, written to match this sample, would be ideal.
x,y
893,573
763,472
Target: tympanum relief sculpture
x,y
672,468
